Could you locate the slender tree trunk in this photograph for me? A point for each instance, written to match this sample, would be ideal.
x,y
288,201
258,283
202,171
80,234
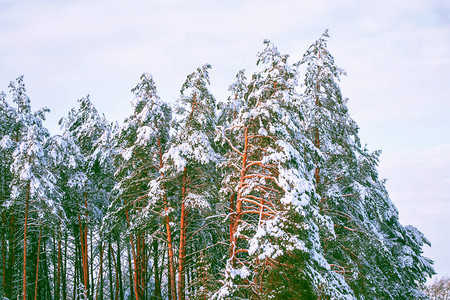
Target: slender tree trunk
x,y
142,266
46,271
24,291
110,271
182,249
11,257
115,269
172,283
83,250
156,270
54,264
77,271
58,268
130,270
37,263
91,264
100,271
4,252
85,254
119,268
138,266
133,250
64,270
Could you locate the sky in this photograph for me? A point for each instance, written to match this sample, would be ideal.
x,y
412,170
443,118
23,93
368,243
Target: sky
x,y
396,55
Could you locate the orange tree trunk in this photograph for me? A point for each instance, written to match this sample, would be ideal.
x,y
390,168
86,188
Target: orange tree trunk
x,y
182,251
172,285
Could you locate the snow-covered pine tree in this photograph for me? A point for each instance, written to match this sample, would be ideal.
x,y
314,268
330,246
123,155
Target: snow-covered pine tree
x,y
274,244
141,195
88,193
347,182
334,135
228,112
7,228
66,160
190,176
230,109
34,203
399,265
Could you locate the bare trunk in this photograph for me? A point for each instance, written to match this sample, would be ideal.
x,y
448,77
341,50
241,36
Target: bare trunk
x,y
133,251
25,245
172,286
37,263
182,251
100,271
58,269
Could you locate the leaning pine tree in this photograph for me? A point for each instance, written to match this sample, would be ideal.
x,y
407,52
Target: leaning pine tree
x,y
366,243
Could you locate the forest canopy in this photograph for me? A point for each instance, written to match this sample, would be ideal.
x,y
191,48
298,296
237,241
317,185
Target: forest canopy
x,y
268,194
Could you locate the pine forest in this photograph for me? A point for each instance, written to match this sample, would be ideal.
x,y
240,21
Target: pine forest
x,y
268,194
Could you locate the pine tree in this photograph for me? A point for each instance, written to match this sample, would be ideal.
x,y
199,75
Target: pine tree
x,y
141,195
273,236
7,228
88,192
351,194
32,186
190,169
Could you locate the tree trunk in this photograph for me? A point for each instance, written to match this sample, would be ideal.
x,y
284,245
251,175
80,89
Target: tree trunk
x,y
172,284
133,251
156,270
76,273
24,288
110,272
64,270
119,268
91,263
11,257
4,253
58,268
131,271
37,263
46,272
100,271
83,249
115,269
182,250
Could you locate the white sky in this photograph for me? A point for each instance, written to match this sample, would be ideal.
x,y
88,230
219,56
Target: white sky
x,y
396,54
